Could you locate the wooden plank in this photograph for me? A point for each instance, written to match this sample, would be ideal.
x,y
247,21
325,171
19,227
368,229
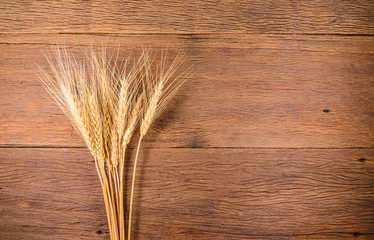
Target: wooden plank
x,y
193,194
248,91
282,16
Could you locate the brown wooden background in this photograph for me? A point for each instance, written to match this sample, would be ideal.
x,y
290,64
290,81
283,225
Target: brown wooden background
x,y
271,139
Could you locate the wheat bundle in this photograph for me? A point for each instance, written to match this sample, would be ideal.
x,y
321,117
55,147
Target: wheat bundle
x,y
106,102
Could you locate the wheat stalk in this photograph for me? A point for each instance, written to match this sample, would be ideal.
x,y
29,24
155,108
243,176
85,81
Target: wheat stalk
x,y
159,87
106,103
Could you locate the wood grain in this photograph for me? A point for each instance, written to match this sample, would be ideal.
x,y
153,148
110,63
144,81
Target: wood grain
x,y
248,91
197,16
272,138
193,194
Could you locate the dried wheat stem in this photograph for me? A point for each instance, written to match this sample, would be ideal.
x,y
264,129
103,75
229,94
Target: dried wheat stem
x,y
132,187
112,220
121,203
117,193
114,186
104,187
111,206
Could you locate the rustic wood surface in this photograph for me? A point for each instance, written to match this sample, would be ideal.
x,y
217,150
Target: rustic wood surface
x,y
256,16
272,138
248,91
193,193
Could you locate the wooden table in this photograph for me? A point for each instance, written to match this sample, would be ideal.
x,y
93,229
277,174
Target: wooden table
x,y
272,138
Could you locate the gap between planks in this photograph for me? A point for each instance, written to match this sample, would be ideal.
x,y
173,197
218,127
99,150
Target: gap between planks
x,y
187,147
187,33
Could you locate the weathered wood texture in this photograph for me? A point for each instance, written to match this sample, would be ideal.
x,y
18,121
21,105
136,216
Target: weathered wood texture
x,y
276,16
276,125
248,91
194,194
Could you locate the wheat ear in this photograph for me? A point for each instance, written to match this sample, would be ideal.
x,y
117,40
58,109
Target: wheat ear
x,y
77,92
